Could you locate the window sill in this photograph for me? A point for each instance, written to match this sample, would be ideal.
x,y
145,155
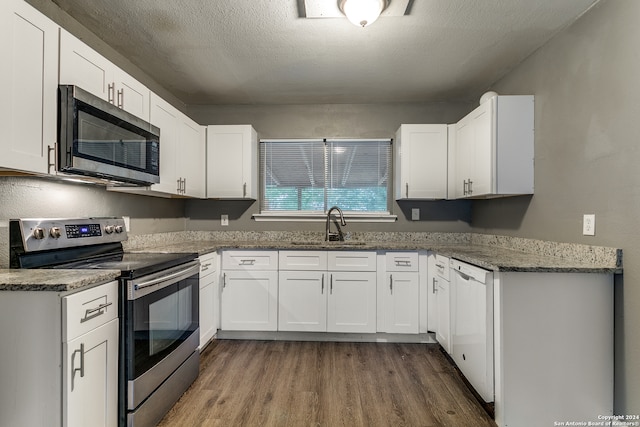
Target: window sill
x,y
318,217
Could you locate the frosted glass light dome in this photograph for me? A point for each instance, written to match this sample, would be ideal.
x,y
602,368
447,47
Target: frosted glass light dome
x,y
362,12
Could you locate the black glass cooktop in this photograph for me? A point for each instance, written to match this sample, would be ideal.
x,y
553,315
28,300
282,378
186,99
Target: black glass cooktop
x,y
132,265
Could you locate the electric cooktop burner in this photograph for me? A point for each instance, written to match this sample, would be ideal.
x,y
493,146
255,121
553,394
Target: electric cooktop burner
x,y
131,264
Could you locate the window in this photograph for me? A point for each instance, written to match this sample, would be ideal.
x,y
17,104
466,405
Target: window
x,y
311,176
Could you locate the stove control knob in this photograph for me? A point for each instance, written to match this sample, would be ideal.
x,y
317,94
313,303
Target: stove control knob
x,y
109,229
38,233
55,232
119,229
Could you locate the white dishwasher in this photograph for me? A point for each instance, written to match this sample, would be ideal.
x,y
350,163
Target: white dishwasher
x,y
472,325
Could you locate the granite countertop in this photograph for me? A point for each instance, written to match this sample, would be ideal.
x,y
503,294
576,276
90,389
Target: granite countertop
x,y
490,257
46,280
497,253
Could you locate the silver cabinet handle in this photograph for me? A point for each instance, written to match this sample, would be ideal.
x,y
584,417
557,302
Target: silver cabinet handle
x,y
179,187
51,164
110,89
331,284
184,185
464,187
91,313
120,101
434,289
247,261
403,263
391,283
407,190
74,369
205,267
244,190
224,280
470,187
322,288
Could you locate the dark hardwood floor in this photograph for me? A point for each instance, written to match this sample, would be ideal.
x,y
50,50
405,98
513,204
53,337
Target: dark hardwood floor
x,y
282,383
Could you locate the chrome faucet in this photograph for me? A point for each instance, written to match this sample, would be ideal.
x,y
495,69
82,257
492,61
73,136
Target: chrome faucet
x,y
329,236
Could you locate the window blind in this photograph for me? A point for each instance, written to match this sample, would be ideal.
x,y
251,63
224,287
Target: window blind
x,y
313,175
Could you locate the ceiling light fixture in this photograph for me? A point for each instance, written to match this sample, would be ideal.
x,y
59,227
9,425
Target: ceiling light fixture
x,y
362,12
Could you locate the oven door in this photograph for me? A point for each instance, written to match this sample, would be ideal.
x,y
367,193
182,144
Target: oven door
x,y
160,328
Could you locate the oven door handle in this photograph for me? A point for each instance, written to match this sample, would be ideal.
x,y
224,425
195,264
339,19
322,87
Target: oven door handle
x,y
164,280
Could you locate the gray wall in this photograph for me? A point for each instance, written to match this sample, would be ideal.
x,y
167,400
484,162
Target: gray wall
x,y
586,84
25,197
326,121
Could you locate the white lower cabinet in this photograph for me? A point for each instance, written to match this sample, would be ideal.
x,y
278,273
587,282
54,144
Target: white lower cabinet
x,y
60,367
399,293
249,300
90,384
327,291
351,305
209,301
302,301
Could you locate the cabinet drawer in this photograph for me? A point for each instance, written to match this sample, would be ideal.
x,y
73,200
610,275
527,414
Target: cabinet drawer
x,y
302,260
86,310
207,264
351,260
401,261
442,266
250,260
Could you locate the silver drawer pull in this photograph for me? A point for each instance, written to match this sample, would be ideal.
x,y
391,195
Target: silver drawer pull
x,y
403,263
92,313
204,267
247,261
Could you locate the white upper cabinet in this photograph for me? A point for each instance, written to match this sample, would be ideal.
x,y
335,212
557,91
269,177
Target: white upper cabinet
x,y
191,158
420,153
182,154
29,72
232,162
495,149
82,66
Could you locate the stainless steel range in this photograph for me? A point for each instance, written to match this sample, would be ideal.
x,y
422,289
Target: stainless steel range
x,y
158,305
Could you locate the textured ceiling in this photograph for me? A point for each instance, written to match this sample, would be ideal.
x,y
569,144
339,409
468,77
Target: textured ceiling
x,y
262,52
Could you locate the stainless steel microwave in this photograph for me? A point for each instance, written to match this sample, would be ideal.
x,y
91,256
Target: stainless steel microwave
x,y
99,140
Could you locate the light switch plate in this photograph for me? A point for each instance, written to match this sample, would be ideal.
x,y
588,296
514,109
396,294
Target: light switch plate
x,y
589,225
415,214
224,220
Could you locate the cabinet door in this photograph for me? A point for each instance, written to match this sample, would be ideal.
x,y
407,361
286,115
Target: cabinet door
x,y
207,309
401,302
421,162
166,117
29,72
82,66
465,156
232,162
484,155
302,301
249,300
131,95
90,395
352,302
443,329
191,158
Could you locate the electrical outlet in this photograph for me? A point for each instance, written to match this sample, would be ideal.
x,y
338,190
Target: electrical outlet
x,y
589,225
415,214
224,220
